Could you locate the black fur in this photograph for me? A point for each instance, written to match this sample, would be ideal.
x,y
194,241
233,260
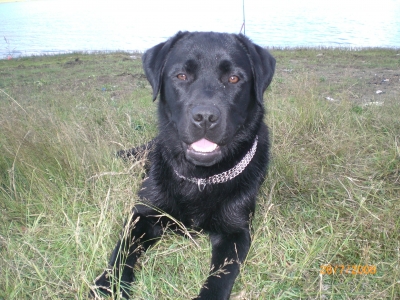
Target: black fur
x,y
204,105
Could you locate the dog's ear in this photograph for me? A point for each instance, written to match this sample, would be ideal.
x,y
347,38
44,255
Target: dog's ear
x,y
262,64
154,60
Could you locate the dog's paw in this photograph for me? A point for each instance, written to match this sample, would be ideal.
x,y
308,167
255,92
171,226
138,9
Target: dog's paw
x,y
102,287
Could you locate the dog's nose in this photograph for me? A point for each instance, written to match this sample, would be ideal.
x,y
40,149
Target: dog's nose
x,y
205,116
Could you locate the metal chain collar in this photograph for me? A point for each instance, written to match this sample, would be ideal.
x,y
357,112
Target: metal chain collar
x,y
224,176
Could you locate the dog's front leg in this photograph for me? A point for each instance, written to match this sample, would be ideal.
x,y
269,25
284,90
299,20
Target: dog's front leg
x,y
139,234
228,252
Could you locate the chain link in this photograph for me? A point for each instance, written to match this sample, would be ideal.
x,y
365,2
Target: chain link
x,y
224,176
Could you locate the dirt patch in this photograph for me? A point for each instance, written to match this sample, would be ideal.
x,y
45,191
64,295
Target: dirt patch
x,y
363,85
366,76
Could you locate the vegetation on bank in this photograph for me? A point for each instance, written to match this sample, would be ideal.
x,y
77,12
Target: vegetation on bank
x,y
331,199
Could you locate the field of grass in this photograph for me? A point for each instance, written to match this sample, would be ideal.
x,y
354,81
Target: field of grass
x,y
332,196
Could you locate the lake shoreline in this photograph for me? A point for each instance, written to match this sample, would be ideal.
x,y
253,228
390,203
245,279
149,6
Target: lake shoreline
x,y
17,54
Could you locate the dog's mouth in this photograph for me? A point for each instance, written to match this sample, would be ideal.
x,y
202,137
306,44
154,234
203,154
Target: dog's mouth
x,y
203,153
203,146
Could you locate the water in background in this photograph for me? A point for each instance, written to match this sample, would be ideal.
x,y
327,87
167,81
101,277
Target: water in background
x,y
44,27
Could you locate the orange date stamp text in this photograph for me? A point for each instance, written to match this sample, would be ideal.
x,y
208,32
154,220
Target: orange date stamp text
x,y
348,269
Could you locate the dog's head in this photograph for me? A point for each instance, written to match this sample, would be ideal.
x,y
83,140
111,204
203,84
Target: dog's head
x,y
211,85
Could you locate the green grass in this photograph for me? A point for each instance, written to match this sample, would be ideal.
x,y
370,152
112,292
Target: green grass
x,y
332,195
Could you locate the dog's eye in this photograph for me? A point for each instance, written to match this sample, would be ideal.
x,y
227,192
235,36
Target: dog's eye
x,y
182,76
233,79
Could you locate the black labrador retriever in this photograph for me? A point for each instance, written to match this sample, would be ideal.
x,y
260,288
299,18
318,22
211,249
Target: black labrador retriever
x,y
209,159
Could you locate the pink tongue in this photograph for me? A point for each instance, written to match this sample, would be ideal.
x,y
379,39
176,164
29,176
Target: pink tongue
x,y
203,145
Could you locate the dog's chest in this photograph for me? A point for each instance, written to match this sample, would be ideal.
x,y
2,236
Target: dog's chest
x,y
201,211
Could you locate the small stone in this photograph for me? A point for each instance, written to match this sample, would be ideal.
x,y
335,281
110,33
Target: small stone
x,y
375,103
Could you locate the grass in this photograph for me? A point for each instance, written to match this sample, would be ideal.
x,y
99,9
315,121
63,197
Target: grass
x,y
332,196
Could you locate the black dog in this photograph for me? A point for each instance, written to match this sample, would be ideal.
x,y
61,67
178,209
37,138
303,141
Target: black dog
x,y
210,157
